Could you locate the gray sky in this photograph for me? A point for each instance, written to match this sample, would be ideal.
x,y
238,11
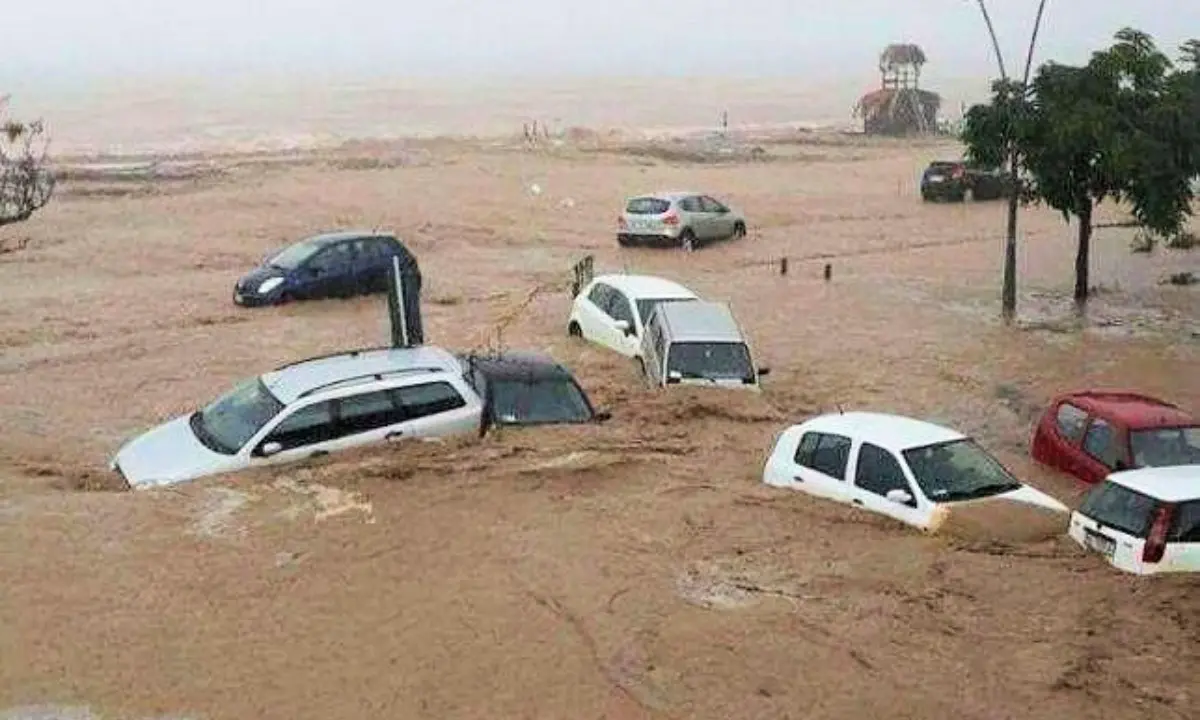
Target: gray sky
x,y
72,38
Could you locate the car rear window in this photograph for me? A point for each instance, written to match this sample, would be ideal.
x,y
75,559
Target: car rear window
x,y
1119,508
647,206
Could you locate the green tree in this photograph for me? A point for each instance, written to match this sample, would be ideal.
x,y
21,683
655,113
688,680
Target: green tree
x,y
1123,127
26,183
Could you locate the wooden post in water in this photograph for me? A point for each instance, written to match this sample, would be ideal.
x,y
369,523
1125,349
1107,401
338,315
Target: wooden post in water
x,y
783,265
828,271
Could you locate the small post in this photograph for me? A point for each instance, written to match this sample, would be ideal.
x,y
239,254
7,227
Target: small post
x,y
828,271
783,265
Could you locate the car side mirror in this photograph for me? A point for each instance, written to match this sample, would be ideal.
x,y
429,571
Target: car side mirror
x,y
269,449
622,325
602,416
900,497
764,371
1120,465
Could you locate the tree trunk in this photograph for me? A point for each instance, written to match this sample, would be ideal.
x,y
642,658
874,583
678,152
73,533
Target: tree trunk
x,y
1083,253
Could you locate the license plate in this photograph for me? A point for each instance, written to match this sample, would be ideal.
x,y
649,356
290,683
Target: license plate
x,y
1099,543
936,178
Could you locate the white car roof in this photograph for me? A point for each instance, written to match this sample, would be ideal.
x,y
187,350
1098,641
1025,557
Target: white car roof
x,y
1178,483
890,432
287,383
645,286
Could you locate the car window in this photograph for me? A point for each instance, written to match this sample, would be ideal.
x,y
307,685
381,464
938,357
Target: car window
x,y
1071,421
619,308
1101,443
829,454
1120,508
428,399
646,306
230,421
544,400
306,426
806,448
711,205
879,471
691,204
712,360
599,296
294,256
647,206
325,261
1162,447
1187,523
958,470
368,411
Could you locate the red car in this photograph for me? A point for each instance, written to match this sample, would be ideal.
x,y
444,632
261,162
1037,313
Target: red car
x,y
1092,433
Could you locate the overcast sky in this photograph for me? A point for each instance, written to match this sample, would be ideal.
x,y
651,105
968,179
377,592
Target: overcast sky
x,y
53,39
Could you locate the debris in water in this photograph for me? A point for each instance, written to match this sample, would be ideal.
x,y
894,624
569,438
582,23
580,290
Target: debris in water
x,y
328,501
216,519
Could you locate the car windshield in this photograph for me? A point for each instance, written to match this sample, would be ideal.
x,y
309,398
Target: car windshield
x,y
1161,447
958,470
520,401
293,256
710,360
647,305
231,420
647,206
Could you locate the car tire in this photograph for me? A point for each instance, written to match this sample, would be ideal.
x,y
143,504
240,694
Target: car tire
x,y
739,231
624,240
573,330
687,241
285,298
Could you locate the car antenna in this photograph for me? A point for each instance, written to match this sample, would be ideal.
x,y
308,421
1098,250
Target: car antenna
x,y
839,408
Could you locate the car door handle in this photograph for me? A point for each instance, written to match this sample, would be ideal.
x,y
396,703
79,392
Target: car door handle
x,y
856,501
797,478
394,434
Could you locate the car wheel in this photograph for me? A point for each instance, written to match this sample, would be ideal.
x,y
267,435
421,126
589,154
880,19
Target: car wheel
x,y
687,241
624,240
574,330
739,231
285,299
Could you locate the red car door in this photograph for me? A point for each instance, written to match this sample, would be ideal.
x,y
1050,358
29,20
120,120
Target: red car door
x,y
1057,439
1103,450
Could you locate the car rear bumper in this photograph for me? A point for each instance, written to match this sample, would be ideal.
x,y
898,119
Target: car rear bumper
x,y
647,239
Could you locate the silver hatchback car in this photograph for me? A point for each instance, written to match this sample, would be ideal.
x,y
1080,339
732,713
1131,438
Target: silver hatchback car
x,y
683,219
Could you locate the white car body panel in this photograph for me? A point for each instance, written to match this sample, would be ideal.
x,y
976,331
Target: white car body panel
x,y
597,327
893,434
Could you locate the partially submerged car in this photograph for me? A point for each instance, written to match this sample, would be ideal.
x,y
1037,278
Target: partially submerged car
x,y
612,310
349,399
1091,433
954,180
683,219
336,264
908,469
1143,521
697,343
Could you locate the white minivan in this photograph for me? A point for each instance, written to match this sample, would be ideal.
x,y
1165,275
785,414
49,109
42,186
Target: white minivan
x,y
1144,521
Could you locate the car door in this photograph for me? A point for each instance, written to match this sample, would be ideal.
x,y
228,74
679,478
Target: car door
x,y
366,266
620,309
1101,451
434,409
300,431
719,216
323,275
695,218
597,324
820,463
1058,437
876,473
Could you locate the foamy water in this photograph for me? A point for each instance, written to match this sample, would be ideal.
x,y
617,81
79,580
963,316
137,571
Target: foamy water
x,y
182,116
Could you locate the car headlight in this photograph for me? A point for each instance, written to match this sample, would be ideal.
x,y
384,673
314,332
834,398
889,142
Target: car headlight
x,y
269,284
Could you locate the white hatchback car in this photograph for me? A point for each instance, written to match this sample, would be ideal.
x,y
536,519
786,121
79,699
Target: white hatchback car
x,y
905,468
1144,521
612,310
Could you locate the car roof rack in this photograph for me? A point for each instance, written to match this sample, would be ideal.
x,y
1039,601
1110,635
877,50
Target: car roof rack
x,y
340,353
430,369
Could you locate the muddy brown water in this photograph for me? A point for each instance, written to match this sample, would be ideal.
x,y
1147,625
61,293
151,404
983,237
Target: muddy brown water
x,y
636,569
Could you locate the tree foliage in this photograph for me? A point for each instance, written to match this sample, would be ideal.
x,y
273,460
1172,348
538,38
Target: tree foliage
x,y
1125,127
26,183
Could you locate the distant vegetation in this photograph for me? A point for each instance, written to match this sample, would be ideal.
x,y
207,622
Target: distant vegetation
x,y
1125,126
26,184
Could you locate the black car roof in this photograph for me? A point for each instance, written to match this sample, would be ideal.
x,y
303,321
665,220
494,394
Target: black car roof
x,y
518,365
333,237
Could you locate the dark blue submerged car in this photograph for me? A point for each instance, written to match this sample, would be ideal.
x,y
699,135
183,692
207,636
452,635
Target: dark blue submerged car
x,y
338,264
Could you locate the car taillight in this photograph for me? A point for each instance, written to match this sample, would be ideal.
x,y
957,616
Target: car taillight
x,y
671,219
1156,543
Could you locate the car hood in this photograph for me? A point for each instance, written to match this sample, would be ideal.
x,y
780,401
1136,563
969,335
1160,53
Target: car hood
x,y
1031,496
168,454
251,280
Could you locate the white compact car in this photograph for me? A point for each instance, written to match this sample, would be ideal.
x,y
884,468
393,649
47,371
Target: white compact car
x,y
612,310
354,398
1144,521
905,468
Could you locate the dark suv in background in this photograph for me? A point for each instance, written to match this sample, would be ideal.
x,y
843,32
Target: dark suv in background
x,y
339,264
951,180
